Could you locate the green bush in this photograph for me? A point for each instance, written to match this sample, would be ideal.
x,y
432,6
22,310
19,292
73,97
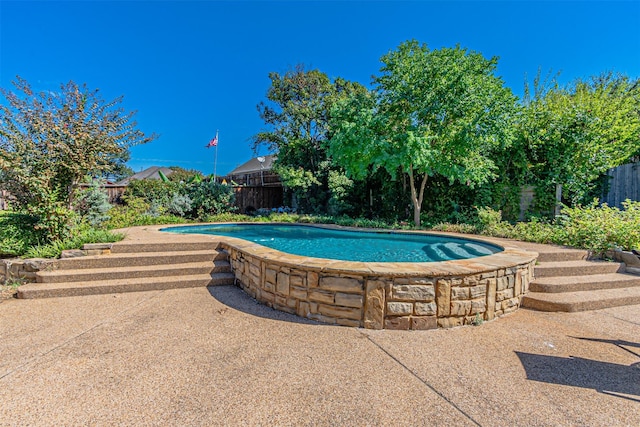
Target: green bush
x,y
87,235
93,204
209,198
17,233
596,228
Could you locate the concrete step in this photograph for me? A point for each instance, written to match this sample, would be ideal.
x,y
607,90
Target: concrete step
x,y
136,259
127,247
222,279
49,290
109,273
584,283
582,300
562,255
576,268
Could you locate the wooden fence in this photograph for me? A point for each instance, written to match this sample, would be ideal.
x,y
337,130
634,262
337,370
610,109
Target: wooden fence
x,y
624,183
258,197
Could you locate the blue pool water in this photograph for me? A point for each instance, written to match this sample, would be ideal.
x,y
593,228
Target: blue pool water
x,y
348,245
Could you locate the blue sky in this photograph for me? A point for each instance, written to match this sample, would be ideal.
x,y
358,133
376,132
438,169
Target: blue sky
x,y
190,68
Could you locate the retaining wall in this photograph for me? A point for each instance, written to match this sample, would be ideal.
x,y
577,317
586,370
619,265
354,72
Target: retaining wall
x,y
384,295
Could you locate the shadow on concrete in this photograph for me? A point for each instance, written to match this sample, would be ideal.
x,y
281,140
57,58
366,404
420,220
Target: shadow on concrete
x,y
618,343
607,378
236,298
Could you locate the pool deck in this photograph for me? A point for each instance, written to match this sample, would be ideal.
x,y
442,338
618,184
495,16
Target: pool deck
x,y
216,357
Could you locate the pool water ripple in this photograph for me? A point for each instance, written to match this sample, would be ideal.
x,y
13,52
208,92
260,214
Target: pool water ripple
x,y
366,246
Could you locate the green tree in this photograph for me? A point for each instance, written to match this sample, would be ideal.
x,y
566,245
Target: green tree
x,y
575,133
297,114
50,141
432,113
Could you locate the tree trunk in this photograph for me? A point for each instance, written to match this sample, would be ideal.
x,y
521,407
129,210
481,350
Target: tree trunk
x,y
417,196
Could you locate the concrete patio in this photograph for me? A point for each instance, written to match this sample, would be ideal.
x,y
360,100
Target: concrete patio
x,y
216,357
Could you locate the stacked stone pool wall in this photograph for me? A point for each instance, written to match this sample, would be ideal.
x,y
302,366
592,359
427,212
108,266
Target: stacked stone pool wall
x,y
383,295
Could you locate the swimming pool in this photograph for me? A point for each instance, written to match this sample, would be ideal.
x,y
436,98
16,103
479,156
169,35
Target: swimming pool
x,y
373,294
347,245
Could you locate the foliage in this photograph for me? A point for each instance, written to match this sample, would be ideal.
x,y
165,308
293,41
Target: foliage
x,y
297,114
54,221
17,233
192,199
179,204
137,212
597,228
17,237
574,134
209,198
93,203
152,191
49,141
90,235
433,113
184,175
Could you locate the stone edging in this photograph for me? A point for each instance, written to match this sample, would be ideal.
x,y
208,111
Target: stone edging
x,y
384,295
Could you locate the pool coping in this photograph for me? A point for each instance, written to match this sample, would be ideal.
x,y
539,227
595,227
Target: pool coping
x,y
503,259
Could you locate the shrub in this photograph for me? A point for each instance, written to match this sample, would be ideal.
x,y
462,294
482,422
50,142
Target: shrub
x,y
87,235
209,198
93,204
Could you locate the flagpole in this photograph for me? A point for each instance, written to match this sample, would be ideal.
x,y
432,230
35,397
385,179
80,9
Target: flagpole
x,y
215,160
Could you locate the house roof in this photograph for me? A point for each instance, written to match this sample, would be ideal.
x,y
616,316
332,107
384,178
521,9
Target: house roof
x,y
149,173
254,165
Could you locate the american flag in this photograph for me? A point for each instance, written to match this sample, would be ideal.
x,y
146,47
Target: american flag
x,y
213,142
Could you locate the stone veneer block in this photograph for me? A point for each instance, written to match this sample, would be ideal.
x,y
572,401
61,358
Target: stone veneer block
x,y
413,292
426,308
443,297
397,323
298,292
295,280
458,293
517,288
348,300
312,279
341,284
374,305
460,308
399,308
303,309
282,285
491,300
320,295
349,322
424,323
421,281
270,275
340,312
478,291
478,306
450,322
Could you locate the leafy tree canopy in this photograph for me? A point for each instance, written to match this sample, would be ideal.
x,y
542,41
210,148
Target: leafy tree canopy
x,y
297,116
577,132
49,141
433,112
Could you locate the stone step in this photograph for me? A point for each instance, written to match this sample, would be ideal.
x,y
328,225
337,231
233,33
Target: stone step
x,y
127,247
562,255
582,300
96,287
110,273
135,259
576,268
584,283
